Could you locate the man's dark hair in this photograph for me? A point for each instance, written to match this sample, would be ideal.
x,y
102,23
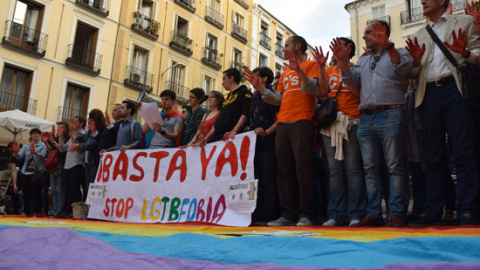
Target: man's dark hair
x,y
199,93
384,23
130,106
168,93
233,72
35,130
447,2
302,41
81,120
188,108
349,41
265,72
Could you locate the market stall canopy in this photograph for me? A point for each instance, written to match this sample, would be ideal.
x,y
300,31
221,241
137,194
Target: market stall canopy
x,y
17,121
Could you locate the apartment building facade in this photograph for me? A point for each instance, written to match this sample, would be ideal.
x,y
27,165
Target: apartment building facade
x,y
56,56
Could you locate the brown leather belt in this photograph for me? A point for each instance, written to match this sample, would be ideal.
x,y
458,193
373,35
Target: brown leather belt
x,y
382,108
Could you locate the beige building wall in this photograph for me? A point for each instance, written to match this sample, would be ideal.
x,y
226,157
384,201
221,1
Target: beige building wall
x,y
56,57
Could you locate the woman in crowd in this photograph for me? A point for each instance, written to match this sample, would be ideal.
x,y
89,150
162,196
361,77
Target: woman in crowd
x,y
196,98
215,104
33,153
341,146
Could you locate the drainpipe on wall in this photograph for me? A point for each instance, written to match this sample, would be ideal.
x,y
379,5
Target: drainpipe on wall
x,y
356,26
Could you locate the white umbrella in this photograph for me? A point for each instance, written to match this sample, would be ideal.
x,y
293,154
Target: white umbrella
x,y
17,121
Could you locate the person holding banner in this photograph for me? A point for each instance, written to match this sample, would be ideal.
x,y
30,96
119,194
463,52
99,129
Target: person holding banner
x,y
196,98
129,134
236,109
215,104
168,135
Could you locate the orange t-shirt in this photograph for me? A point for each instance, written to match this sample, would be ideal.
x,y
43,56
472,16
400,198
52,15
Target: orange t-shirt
x,y
296,105
346,101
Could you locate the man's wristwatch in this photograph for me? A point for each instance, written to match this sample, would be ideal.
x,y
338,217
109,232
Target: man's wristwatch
x,y
391,46
467,54
163,132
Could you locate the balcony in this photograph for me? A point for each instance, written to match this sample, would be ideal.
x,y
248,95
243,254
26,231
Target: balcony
x,y
21,102
187,4
384,18
65,113
79,57
145,26
101,7
181,43
139,79
214,17
416,14
25,39
279,50
242,3
179,89
211,57
239,33
265,41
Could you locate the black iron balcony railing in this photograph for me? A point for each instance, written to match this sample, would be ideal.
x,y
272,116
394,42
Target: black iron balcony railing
x,y
138,78
179,89
81,58
144,25
412,15
265,41
212,57
279,50
181,43
214,17
384,18
65,113
188,4
99,6
11,102
239,33
242,3
25,38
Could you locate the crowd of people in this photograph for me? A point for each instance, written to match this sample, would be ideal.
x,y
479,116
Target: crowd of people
x,y
401,116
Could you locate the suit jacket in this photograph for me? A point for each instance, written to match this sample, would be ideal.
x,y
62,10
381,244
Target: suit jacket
x,y
453,22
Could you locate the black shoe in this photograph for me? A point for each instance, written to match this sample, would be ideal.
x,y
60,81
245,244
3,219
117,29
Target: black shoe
x,y
467,219
425,221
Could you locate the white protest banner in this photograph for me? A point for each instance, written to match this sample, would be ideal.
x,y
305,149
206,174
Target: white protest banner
x,y
213,184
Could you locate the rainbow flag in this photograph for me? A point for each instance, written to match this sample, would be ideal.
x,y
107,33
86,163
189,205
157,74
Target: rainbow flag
x,y
47,243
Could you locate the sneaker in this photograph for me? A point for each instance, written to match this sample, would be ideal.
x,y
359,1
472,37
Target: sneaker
x,y
281,222
425,221
304,221
353,222
329,222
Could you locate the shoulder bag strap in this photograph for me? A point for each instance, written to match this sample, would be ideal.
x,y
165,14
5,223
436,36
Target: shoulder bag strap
x,y
339,87
442,46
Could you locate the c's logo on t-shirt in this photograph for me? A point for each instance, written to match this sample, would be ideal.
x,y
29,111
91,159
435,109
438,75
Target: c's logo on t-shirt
x,y
333,82
291,80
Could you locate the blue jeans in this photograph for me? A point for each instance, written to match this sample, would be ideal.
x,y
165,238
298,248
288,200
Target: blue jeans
x,y
444,111
58,193
383,134
351,192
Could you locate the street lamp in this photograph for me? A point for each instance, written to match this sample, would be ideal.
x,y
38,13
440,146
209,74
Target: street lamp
x,y
173,66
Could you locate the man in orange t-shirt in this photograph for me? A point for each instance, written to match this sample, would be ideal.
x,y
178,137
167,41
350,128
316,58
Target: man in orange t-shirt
x,y
294,135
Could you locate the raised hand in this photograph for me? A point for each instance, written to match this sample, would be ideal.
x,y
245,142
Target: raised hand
x,y
340,52
472,9
292,60
415,51
15,148
251,78
319,56
32,147
380,35
459,44
45,137
107,118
